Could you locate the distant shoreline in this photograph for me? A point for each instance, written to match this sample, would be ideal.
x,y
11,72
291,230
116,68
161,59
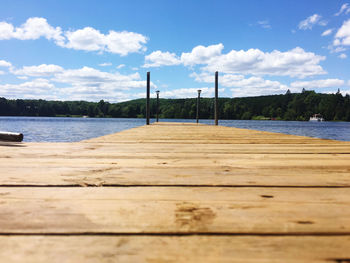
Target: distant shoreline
x,y
287,107
257,118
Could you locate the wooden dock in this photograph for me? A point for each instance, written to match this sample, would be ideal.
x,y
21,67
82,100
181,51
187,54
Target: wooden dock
x,y
175,192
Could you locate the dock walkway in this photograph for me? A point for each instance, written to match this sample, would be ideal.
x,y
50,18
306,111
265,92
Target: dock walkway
x,y
175,192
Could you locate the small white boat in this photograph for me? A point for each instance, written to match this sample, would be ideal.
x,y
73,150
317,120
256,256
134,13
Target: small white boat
x,y
316,117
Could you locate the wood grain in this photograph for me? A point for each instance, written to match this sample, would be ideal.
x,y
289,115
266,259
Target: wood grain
x,y
177,209
176,193
136,157
72,249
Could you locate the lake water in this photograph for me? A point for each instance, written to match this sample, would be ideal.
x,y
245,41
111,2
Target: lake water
x,y
45,129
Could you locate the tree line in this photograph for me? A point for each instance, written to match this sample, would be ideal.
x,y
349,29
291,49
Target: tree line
x,y
290,106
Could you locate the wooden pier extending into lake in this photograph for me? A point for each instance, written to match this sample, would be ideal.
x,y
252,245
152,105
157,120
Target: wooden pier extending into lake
x,y
175,192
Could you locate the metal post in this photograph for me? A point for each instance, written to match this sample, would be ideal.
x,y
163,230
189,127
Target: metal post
x,y
157,105
216,114
147,98
198,98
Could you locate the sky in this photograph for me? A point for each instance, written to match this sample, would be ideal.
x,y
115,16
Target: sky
x,y
92,50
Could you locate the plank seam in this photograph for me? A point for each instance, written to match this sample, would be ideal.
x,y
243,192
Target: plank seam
x,y
330,234
169,185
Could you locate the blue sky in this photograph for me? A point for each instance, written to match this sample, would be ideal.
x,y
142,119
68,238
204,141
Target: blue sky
x,y
92,50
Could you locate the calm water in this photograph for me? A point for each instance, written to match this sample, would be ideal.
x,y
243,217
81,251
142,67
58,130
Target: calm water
x,y
44,129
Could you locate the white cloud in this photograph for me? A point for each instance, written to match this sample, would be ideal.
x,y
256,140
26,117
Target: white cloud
x,y
256,86
343,56
334,91
327,32
106,64
345,92
203,77
73,84
159,58
241,86
201,54
2,72
125,42
323,23
342,37
4,63
337,49
189,93
225,80
293,63
198,55
38,87
33,28
264,24
344,9
120,66
309,22
116,96
6,31
88,38
92,84
42,70
316,84
256,82
99,80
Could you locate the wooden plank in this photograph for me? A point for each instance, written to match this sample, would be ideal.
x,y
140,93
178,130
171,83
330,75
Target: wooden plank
x,y
175,210
71,249
224,176
204,134
234,160
101,149
179,169
214,141
146,224
104,161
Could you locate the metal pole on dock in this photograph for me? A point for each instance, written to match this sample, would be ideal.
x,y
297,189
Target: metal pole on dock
x,y
147,98
157,105
216,114
198,99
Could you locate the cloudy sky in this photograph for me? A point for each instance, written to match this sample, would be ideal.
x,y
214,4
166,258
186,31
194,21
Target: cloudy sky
x,y
92,50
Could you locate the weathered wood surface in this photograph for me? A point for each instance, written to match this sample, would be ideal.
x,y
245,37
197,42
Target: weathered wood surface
x,y
175,210
122,249
176,193
149,156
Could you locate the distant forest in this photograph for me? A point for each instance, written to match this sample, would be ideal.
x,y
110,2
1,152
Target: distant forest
x,y
290,106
